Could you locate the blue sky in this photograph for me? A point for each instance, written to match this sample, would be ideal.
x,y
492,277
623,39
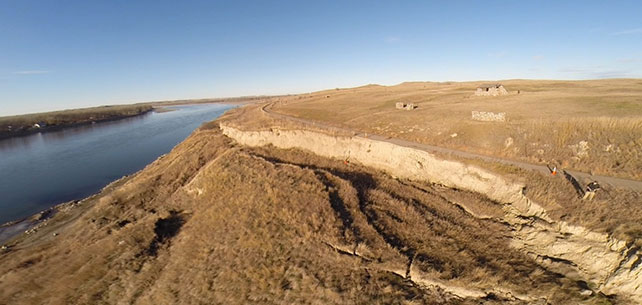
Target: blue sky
x,y
68,54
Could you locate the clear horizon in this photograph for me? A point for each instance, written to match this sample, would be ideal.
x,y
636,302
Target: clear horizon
x,y
56,55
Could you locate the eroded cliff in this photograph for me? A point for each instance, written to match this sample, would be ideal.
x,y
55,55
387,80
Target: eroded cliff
x,y
609,265
224,218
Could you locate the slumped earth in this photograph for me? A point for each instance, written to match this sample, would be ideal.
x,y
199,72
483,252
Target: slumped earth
x,y
214,222
217,222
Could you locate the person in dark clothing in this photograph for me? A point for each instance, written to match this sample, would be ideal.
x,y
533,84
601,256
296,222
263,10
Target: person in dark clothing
x,y
591,188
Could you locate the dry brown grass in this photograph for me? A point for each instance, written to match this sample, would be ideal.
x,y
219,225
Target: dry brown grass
x,y
546,121
614,210
271,227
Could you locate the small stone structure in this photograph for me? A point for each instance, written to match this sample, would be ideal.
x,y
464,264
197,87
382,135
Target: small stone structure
x,y
409,106
491,90
488,116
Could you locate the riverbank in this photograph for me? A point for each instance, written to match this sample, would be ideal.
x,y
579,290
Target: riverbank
x,y
44,169
22,125
27,124
32,224
242,100
250,213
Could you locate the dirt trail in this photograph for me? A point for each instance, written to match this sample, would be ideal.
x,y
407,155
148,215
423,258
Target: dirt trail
x,y
616,182
219,221
597,258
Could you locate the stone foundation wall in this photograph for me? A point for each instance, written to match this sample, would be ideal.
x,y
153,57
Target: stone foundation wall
x,y
489,116
491,91
409,106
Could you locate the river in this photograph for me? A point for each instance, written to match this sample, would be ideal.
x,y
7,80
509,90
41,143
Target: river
x,y
44,169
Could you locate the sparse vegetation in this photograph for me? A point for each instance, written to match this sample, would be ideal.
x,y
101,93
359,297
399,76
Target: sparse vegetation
x,y
547,122
24,124
19,125
216,223
614,210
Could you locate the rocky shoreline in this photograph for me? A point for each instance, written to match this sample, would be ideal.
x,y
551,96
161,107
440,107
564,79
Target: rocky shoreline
x,y
29,225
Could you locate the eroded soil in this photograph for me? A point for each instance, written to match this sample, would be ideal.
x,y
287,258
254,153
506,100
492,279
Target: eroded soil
x,y
214,222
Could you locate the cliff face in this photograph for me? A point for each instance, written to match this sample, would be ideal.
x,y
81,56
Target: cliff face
x,y
610,265
225,219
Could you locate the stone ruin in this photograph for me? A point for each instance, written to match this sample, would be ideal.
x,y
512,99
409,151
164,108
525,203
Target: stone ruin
x,y
488,116
491,90
409,106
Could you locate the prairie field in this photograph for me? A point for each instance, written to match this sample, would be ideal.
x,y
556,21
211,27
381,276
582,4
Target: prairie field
x,y
592,126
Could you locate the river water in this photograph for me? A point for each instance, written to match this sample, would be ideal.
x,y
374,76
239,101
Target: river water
x,y
41,170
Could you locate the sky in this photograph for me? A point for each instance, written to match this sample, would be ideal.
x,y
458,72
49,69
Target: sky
x,y
68,54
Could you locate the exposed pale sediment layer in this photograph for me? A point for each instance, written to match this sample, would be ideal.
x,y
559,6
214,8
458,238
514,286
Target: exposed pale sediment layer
x,y
610,264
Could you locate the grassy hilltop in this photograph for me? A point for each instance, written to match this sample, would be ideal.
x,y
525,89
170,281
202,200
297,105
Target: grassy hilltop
x,y
593,125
